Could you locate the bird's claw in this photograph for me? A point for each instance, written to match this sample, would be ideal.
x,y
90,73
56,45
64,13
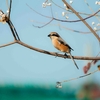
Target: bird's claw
x,y
56,54
65,55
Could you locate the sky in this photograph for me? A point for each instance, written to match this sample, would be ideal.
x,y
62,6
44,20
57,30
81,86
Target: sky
x,y
20,65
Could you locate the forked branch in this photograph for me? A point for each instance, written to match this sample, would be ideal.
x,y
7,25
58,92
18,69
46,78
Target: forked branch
x,y
48,52
76,13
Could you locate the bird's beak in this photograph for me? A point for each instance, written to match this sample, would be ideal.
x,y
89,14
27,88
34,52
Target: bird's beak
x,y
49,35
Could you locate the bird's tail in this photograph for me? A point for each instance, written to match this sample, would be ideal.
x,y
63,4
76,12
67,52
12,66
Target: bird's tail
x,y
73,60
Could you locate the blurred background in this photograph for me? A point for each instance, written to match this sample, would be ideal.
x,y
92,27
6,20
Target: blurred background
x,y
26,74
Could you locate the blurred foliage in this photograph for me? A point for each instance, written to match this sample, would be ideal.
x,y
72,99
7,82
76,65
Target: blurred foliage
x,y
30,92
87,91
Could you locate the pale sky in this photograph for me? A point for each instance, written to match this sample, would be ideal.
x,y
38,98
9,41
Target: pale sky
x,y
22,65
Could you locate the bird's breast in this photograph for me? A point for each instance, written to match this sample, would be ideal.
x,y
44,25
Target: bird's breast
x,y
60,46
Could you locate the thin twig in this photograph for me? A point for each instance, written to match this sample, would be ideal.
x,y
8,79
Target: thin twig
x,y
10,9
82,20
91,9
17,36
61,26
38,12
71,11
59,83
11,28
5,19
69,21
81,76
44,24
51,11
4,45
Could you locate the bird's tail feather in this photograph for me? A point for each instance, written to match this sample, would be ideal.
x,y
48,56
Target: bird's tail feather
x,y
73,60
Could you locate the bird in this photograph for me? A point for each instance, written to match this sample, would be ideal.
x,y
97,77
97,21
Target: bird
x,y
61,45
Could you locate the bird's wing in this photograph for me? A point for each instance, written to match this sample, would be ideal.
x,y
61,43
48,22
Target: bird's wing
x,y
64,43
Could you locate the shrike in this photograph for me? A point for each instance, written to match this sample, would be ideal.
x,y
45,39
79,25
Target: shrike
x,y
61,45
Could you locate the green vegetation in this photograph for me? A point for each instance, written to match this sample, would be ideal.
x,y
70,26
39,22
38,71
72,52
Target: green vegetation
x,y
11,92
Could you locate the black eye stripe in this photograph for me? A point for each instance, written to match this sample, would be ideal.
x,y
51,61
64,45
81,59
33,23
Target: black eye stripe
x,y
55,35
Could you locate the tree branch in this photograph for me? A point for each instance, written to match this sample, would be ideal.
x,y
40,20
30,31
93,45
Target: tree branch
x,y
56,54
10,9
44,24
48,52
70,29
15,32
8,44
82,20
71,11
11,28
69,21
59,84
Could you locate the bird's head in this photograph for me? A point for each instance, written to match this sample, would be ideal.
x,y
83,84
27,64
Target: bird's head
x,y
53,35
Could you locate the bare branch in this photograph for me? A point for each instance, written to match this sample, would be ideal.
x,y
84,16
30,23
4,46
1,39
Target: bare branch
x,y
56,54
38,12
11,28
91,9
71,11
8,44
82,20
9,8
44,24
59,84
69,21
48,52
11,25
70,29
4,19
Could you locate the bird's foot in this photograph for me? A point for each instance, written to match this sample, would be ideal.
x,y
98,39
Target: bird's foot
x,y
65,55
56,54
